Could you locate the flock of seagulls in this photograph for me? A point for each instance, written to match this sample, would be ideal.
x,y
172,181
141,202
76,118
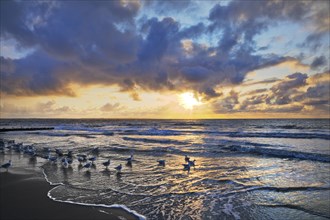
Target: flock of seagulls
x,y
84,160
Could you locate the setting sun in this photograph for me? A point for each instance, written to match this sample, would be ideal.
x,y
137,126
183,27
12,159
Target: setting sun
x,y
188,100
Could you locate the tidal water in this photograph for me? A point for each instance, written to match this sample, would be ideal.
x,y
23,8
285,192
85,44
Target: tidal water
x,y
245,169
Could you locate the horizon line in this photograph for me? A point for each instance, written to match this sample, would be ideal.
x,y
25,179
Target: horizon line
x,y
266,118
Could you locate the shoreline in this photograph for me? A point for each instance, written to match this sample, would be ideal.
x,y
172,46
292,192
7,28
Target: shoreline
x,y
25,196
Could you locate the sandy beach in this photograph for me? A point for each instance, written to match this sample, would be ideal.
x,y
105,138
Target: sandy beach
x,y
24,196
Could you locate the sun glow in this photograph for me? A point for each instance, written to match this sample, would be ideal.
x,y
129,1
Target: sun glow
x,y
188,100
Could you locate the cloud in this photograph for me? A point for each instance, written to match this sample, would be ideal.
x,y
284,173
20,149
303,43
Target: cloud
x,y
34,75
265,81
256,91
195,74
227,104
40,109
297,93
108,107
108,43
318,62
7,65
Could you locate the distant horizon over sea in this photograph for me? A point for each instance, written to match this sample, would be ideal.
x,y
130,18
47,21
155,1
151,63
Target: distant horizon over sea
x,y
100,118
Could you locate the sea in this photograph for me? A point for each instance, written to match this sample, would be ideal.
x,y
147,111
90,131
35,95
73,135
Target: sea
x,y
244,169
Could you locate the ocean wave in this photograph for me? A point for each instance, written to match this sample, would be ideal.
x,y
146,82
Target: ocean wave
x,y
289,127
83,128
156,131
189,124
60,184
150,132
240,134
280,135
281,153
119,206
159,141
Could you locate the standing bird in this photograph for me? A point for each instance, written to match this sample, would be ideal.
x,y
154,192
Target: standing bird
x,y
192,163
6,165
106,163
88,165
70,161
81,159
130,159
186,167
161,162
118,168
92,159
70,154
59,152
65,163
52,158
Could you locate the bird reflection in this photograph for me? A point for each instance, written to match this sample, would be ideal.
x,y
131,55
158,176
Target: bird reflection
x,y
106,172
87,175
33,161
129,164
119,175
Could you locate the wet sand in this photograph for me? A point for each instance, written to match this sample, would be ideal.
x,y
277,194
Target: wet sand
x,y
24,196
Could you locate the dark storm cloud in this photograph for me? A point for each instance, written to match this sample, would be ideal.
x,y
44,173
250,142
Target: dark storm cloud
x,y
158,39
103,42
195,74
7,65
318,62
34,75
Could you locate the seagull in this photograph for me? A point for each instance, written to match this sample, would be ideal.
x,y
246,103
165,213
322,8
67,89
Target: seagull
x,y
118,168
81,159
29,150
192,163
69,161
106,163
45,156
92,159
186,167
65,163
59,152
52,159
161,162
82,156
18,147
69,154
130,159
6,165
186,158
88,165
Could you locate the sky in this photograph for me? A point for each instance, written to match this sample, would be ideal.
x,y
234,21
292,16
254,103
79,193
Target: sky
x,y
165,59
